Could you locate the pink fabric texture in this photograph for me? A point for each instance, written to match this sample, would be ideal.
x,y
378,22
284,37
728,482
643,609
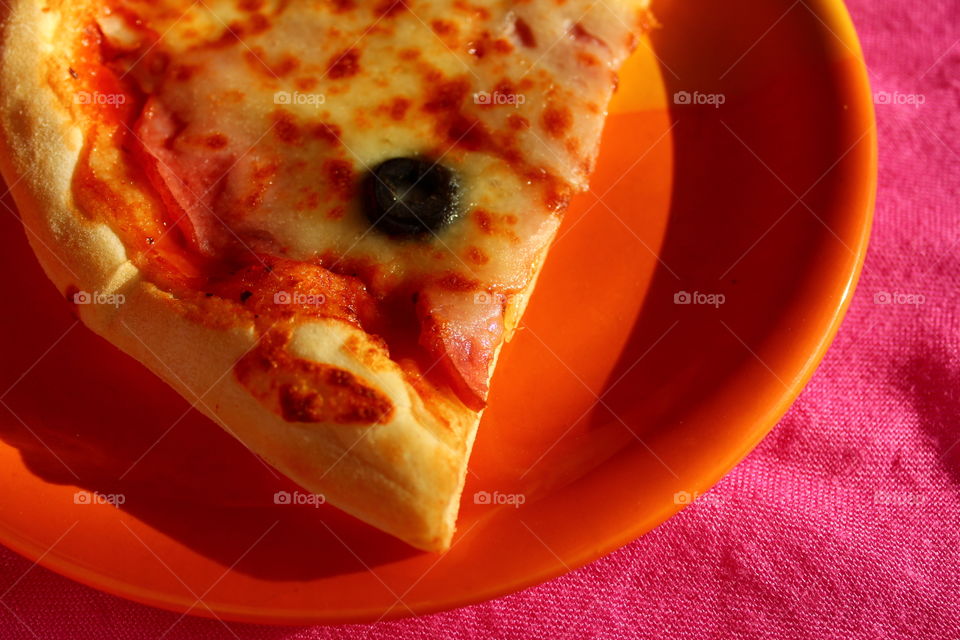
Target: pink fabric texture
x,y
843,523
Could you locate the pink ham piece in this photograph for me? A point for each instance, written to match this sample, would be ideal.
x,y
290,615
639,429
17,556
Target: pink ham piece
x,y
462,330
186,177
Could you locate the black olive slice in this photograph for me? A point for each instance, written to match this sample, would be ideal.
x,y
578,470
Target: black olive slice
x,y
410,196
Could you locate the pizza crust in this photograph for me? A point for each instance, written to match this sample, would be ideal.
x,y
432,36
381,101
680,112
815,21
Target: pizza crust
x,y
404,477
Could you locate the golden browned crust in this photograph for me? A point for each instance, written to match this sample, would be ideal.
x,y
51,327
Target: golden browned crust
x,y
403,476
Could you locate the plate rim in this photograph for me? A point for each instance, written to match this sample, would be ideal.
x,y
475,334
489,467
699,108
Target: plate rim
x,y
837,19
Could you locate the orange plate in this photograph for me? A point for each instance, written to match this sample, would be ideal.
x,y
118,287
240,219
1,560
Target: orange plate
x,y
765,199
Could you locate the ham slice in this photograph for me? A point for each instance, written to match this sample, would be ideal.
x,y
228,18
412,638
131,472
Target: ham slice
x,y
187,180
462,329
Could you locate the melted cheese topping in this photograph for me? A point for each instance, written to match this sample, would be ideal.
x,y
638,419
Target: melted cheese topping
x,y
267,115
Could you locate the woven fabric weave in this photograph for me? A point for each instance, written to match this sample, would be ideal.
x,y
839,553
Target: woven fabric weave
x,y
843,523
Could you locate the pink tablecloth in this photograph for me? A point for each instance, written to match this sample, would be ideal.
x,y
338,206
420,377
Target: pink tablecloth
x,y
842,524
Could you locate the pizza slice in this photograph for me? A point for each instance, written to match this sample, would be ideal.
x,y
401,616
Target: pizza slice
x,y
323,219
